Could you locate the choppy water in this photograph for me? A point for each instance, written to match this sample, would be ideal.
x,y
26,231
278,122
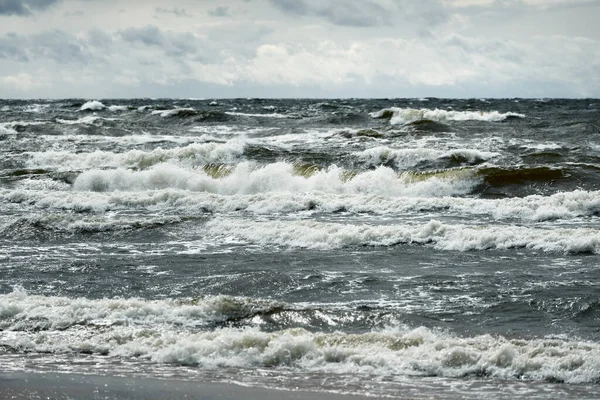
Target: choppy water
x,y
355,246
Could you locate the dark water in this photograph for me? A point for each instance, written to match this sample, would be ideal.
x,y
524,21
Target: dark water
x,y
355,246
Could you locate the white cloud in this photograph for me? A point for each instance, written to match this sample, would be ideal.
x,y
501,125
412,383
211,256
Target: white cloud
x,y
25,82
445,47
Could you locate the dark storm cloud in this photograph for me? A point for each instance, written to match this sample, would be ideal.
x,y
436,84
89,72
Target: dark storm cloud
x,y
178,12
173,43
219,12
24,7
345,13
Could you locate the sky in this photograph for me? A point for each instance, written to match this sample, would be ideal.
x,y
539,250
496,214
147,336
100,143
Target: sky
x,y
299,48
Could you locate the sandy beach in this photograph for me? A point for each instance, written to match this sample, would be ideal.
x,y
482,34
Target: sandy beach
x,y
22,385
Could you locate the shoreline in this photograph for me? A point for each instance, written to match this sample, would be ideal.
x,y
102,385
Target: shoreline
x,y
64,386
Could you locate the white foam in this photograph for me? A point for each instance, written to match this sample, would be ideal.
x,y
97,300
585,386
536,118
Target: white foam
x,y
19,310
323,236
408,115
70,224
36,108
248,178
115,108
173,112
224,198
5,109
191,155
170,331
87,120
7,129
93,105
406,158
270,115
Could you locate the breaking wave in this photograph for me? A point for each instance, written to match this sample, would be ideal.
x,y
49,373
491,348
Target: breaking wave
x,y
192,154
93,105
249,178
399,116
325,236
407,158
174,332
535,208
176,112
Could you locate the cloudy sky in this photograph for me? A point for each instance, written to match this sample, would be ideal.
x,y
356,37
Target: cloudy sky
x,y
299,48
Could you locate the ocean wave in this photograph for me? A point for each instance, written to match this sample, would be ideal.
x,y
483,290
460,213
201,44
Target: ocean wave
x,y
115,108
34,225
192,154
266,115
87,120
93,105
6,130
457,237
20,311
535,208
249,178
398,116
176,112
14,127
407,158
171,332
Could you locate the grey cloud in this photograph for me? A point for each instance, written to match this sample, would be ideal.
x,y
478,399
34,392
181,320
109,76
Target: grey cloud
x,y
61,47
55,45
11,47
74,14
179,12
99,38
24,7
173,43
219,12
345,13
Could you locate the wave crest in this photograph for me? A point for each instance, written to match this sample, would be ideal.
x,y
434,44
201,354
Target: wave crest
x,y
400,116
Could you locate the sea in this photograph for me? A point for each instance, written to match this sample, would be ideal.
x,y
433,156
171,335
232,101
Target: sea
x,y
401,248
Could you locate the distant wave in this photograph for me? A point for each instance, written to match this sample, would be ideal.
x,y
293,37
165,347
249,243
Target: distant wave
x,y
266,115
407,158
192,154
179,112
93,105
398,116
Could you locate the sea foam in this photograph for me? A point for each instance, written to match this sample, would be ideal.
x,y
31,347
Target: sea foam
x,y
249,178
173,332
399,116
93,105
192,154
325,235
407,158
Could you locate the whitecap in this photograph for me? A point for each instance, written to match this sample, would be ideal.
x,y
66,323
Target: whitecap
x,y
93,105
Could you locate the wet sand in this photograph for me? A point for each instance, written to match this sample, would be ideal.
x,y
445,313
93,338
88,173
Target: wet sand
x,y
51,386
